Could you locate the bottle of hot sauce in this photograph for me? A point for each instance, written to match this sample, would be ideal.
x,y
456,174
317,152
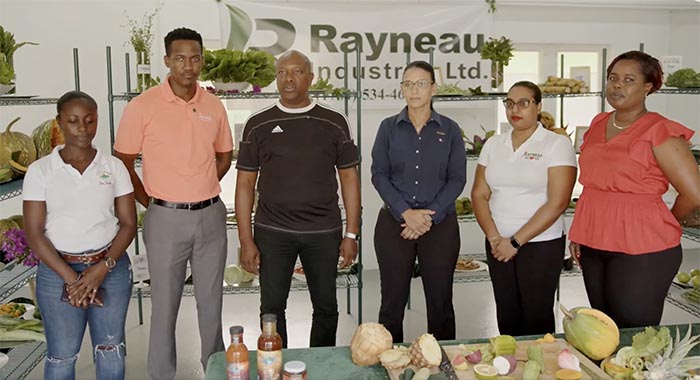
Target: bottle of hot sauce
x,y
237,356
269,350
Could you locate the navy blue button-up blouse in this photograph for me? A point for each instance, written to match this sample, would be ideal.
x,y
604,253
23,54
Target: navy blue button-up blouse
x,y
419,171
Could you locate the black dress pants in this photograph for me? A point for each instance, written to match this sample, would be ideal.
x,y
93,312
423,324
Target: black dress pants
x,y
524,287
437,253
630,289
319,257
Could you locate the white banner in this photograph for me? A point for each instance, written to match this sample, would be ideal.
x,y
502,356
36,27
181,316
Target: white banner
x,y
389,36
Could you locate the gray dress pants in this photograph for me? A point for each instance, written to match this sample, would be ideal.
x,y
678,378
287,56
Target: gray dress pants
x,y
173,237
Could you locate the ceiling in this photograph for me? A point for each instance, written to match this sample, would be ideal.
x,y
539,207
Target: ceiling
x,y
665,4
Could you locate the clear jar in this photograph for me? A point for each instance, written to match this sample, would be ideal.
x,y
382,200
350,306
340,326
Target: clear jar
x,y
294,370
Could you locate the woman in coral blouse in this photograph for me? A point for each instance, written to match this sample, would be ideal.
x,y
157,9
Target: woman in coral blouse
x,y
623,235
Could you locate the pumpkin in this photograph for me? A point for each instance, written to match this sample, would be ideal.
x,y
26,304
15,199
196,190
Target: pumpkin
x,y
368,342
47,136
591,331
11,142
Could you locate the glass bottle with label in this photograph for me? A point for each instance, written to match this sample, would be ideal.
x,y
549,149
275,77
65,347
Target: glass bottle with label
x,y
269,350
237,356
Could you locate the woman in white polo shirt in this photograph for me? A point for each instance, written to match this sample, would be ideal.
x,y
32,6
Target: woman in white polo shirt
x,y
79,216
522,185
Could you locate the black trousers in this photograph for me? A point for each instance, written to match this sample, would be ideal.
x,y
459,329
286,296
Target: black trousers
x,y
319,257
630,289
524,287
437,253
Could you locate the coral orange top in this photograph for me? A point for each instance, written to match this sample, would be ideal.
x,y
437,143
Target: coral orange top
x,y
621,209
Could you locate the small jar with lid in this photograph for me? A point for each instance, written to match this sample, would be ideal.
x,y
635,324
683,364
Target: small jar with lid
x,y
294,370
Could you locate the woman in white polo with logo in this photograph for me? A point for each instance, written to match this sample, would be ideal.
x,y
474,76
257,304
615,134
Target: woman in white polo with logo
x,y
80,216
522,185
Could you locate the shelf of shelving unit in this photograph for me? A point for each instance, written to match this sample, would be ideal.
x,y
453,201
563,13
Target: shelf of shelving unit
x,y
500,96
23,359
680,91
245,95
23,101
675,297
483,275
10,189
12,280
692,233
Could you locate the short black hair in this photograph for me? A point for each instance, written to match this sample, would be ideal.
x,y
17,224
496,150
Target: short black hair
x,y
182,34
423,66
74,95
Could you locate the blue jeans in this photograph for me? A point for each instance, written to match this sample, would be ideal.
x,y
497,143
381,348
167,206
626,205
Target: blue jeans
x,y
64,324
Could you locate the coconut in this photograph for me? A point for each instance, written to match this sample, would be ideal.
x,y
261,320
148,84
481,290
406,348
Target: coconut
x,y
11,142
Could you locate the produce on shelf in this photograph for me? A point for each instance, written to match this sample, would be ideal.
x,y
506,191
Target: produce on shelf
x,y
692,295
12,309
234,275
655,355
47,136
396,358
5,225
253,66
590,331
17,150
463,206
475,145
8,47
327,88
683,78
368,342
451,89
425,351
556,85
16,329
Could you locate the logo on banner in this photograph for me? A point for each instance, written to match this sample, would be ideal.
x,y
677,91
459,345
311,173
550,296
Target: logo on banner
x,y
242,29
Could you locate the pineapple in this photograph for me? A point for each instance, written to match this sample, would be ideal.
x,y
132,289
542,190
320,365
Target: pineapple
x,y
673,364
396,358
425,352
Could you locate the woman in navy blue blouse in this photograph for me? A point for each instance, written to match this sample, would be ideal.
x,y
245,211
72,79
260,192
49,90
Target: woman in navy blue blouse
x,y
418,169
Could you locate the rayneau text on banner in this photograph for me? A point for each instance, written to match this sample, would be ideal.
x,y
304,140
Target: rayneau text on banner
x,y
388,36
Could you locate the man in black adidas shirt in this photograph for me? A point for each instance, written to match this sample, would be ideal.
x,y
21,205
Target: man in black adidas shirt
x,y
296,145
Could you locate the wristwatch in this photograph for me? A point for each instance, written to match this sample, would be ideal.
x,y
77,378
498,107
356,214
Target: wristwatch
x,y
352,236
514,242
110,263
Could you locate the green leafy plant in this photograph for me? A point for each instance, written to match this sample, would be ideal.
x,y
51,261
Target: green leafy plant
x,y
492,5
253,66
323,85
475,145
8,46
141,39
683,78
6,72
500,52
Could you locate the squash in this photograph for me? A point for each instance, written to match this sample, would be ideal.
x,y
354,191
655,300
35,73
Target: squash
x,y
47,136
11,142
591,331
368,342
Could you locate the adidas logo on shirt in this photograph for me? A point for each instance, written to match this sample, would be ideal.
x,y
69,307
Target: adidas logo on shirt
x,y
277,129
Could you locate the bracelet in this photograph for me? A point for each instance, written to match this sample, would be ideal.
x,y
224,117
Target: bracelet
x,y
80,275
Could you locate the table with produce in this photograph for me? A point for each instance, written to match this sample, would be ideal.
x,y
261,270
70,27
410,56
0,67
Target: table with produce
x,y
591,347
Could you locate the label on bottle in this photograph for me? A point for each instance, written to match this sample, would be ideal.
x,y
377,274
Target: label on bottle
x,y
237,371
269,365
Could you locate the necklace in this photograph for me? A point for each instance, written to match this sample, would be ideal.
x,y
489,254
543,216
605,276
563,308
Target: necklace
x,y
615,124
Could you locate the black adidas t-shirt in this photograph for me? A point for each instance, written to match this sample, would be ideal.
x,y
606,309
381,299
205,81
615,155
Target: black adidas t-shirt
x,y
297,152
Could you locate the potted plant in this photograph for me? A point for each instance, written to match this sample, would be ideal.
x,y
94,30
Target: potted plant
x,y
8,47
234,70
499,51
141,39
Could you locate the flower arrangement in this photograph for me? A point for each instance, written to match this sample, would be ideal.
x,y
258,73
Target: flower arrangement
x,y
16,248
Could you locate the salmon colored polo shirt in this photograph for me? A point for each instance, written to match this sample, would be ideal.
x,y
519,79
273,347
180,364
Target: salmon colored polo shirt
x,y
178,141
620,209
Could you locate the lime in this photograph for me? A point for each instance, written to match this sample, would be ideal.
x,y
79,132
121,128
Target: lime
x,y
485,372
683,277
695,281
694,272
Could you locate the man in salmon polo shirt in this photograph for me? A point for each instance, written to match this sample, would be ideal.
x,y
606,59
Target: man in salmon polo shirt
x,y
184,137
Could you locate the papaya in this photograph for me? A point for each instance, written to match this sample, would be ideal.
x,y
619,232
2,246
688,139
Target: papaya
x,y
591,331
47,136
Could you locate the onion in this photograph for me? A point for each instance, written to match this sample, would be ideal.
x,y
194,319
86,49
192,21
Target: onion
x,y
567,360
474,357
504,364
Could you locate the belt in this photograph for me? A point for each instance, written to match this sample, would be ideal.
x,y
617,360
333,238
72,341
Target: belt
x,y
84,259
186,206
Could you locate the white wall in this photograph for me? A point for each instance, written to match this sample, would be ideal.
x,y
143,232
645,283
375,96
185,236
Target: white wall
x,y
91,25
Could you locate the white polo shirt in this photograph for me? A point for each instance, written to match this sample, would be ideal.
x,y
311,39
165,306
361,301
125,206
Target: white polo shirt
x,y
79,208
518,180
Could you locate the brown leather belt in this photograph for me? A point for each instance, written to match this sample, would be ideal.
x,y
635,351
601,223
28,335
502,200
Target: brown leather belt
x,y
84,259
186,206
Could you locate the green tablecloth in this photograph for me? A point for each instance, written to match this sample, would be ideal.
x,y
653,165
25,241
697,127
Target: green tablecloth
x,y
326,363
